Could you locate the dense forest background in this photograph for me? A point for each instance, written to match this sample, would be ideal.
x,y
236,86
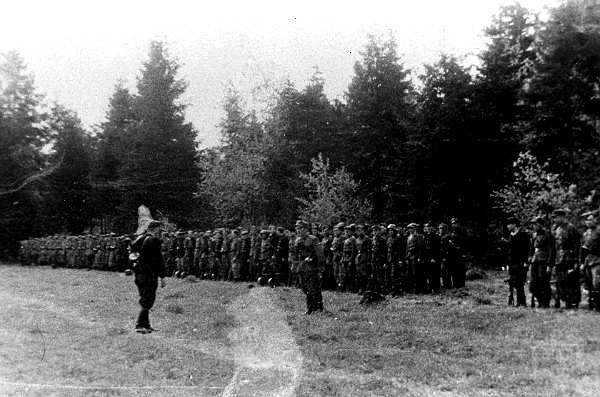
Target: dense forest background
x,y
402,146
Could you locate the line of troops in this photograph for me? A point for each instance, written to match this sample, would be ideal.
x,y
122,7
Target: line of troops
x,y
91,251
555,250
356,257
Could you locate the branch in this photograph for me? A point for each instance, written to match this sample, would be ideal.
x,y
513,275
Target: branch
x,y
32,178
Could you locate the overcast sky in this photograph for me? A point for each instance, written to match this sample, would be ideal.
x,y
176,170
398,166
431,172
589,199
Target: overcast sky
x,y
77,50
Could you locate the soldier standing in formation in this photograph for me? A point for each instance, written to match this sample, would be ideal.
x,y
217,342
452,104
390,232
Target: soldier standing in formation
x,y
568,241
542,255
308,256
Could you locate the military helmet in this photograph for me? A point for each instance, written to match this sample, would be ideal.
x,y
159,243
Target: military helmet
x,y
340,226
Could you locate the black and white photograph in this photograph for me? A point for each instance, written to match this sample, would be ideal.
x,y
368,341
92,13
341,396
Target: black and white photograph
x,y
300,199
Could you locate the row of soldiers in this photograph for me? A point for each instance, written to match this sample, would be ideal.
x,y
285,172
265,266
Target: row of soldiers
x,y
91,251
356,257
555,249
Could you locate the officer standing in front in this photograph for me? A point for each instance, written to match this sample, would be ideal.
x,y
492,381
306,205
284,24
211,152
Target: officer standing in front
x,y
148,268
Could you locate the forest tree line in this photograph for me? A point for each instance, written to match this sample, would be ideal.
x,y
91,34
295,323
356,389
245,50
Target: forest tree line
x,y
401,146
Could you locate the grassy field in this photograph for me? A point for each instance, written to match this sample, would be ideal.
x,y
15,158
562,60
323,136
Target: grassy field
x,y
70,333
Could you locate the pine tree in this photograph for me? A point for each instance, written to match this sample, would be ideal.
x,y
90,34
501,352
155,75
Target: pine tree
x,y
161,170
380,107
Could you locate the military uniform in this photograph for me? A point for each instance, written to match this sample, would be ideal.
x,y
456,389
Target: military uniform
x,y
308,255
415,279
363,263
542,257
567,272
591,265
431,259
337,251
348,268
378,260
518,250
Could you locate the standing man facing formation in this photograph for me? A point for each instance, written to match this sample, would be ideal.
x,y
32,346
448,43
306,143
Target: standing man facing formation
x,y
148,269
518,253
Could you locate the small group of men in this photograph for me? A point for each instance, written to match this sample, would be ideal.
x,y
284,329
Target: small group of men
x,y
91,251
554,247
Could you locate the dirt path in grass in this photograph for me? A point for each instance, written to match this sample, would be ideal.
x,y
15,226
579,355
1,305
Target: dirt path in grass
x,y
268,361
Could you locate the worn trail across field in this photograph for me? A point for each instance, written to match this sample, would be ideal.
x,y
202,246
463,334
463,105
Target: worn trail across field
x,y
268,362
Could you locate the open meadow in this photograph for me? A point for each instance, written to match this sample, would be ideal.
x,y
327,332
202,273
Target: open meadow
x,y
66,332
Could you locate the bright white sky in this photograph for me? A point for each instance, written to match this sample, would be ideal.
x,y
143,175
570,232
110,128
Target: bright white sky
x,y
77,50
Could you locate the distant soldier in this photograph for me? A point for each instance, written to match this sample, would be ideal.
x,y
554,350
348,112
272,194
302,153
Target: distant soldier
x,y
449,255
265,254
326,243
363,259
112,251
337,251
205,254
308,255
518,251
415,245
197,254
568,241
378,258
591,261
189,245
431,258
349,259
236,253
225,249
282,252
542,255
244,257
396,249
459,238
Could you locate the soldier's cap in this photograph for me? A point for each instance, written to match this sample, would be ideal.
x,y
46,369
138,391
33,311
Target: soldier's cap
x,y
538,219
351,226
340,225
412,225
391,226
236,231
244,232
360,226
428,224
208,231
280,229
264,231
454,220
180,233
560,212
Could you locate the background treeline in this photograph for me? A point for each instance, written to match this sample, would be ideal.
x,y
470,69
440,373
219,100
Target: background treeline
x,y
401,146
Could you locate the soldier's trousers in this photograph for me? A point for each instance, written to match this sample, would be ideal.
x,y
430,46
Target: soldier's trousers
x,y
517,277
147,285
567,284
311,286
539,285
397,275
592,272
433,276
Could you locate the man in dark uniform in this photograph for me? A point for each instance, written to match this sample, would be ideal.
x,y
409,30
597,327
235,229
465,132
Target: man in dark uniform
x,y
378,258
337,249
363,259
431,258
568,241
308,255
542,256
282,252
518,252
348,269
415,245
148,269
591,261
